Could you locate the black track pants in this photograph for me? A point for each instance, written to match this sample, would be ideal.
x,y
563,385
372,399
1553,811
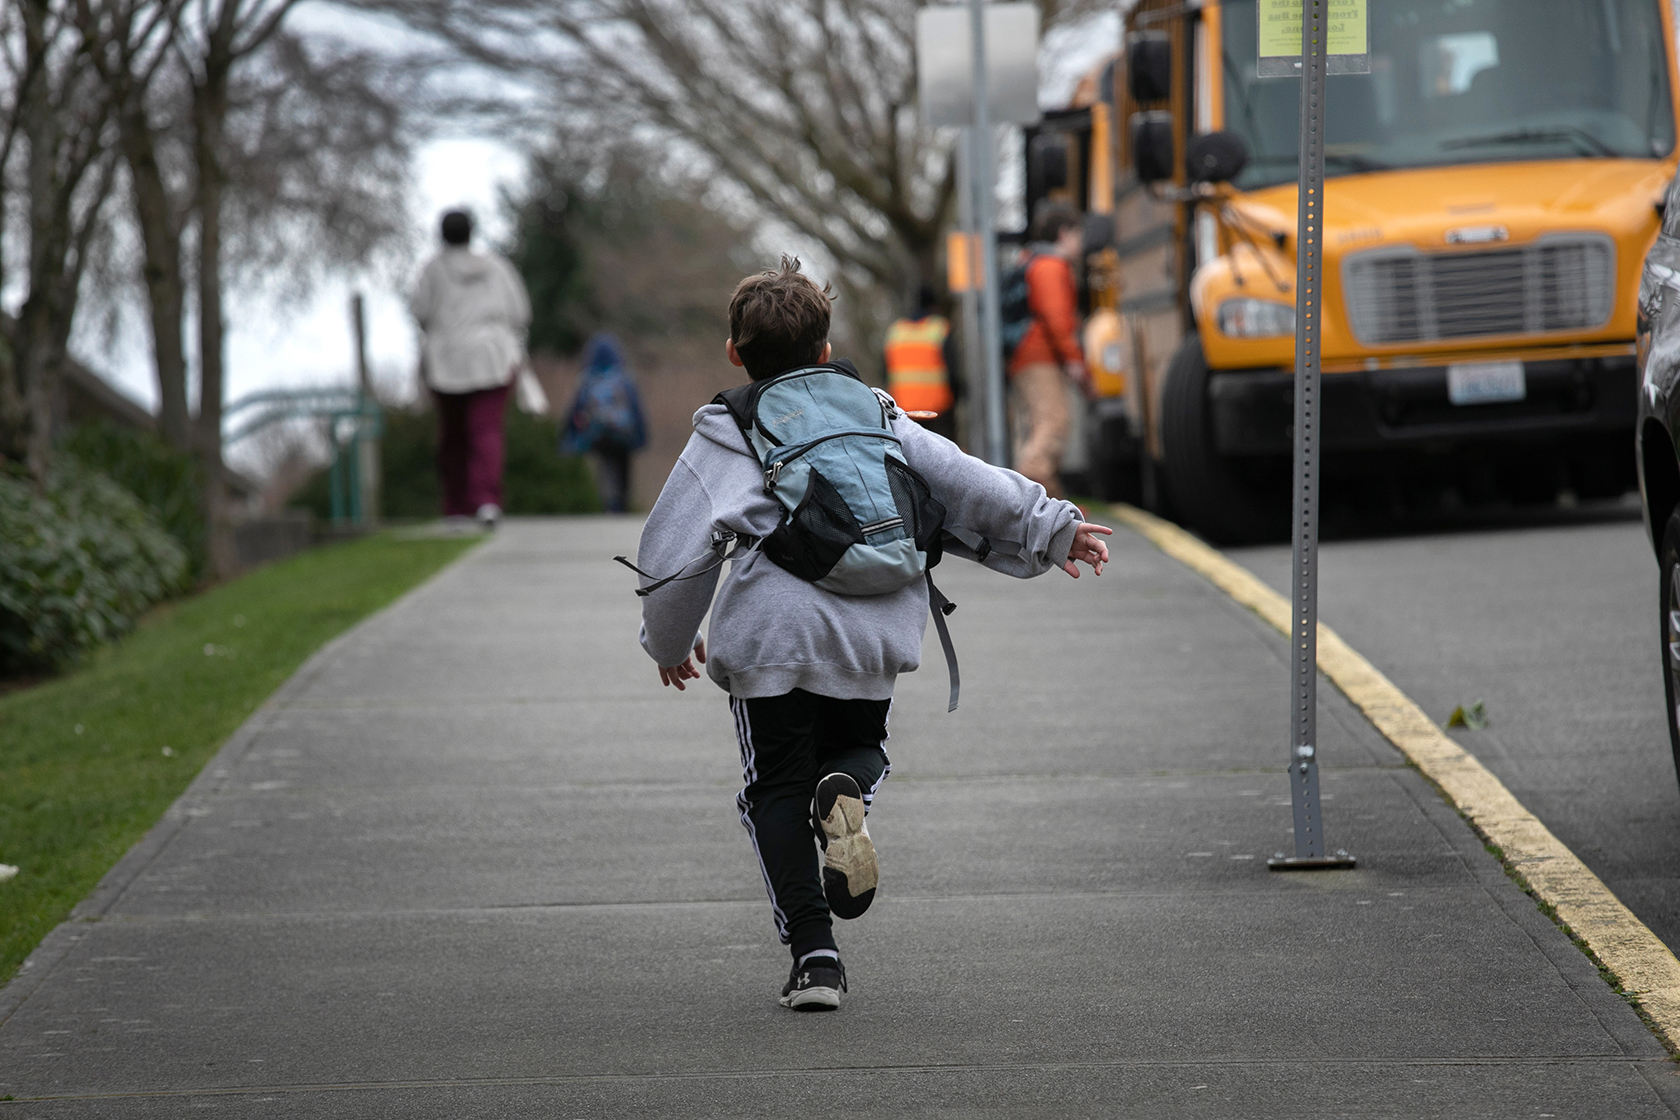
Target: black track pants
x,y
787,743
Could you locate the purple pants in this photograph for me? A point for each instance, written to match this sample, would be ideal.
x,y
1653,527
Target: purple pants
x,y
469,456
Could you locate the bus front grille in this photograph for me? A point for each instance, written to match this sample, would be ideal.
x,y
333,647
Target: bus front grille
x,y
1562,282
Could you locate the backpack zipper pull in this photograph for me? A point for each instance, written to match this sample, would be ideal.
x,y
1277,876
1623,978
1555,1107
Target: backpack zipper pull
x,y
772,474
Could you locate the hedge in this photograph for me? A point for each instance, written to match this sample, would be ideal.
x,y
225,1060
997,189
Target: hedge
x,y
168,482
79,562
535,477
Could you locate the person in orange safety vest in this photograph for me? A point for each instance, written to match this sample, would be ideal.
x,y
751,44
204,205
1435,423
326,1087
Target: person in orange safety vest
x,y
920,360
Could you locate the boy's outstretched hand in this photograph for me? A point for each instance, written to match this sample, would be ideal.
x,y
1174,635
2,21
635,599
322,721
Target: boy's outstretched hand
x,y
1089,546
677,674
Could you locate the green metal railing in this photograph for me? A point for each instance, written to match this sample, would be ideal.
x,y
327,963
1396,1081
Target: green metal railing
x,y
354,424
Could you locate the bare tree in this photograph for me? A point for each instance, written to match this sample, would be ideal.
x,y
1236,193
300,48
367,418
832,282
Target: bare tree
x,y
221,35
63,114
13,73
297,155
314,161
805,107
129,42
317,159
232,133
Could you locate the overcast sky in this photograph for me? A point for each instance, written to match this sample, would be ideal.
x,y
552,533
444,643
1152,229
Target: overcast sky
x,y
272,345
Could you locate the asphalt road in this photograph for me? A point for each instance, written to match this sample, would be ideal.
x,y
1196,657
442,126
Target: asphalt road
x,y
1551,622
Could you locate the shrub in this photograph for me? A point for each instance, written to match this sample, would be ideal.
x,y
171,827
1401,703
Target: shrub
x,y
535,478
408,465
78,564
538,479
168,482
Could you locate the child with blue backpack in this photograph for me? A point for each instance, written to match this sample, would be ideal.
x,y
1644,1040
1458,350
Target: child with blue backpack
x,y
831,506
606,418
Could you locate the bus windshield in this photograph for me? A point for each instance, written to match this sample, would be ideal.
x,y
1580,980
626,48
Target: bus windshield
x,y
1465,81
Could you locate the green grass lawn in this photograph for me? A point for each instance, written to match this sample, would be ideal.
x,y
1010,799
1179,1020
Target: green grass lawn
x,y
89,760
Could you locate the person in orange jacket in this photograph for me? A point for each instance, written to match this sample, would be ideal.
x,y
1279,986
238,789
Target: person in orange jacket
x,y
920,357
1049,354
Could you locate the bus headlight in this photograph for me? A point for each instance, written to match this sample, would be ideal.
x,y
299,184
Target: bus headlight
x,y
1256,318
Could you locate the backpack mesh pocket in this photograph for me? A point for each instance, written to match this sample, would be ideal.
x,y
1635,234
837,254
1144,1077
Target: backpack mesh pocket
x,y
816,534
924,515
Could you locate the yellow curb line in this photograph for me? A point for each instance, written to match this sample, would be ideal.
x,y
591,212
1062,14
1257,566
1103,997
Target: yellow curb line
x,y
1644,966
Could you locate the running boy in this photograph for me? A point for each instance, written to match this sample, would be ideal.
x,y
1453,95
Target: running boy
x,y
809,672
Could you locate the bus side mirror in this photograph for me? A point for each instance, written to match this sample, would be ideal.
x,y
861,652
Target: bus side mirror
x,y
1149,66
1152,146
1215,157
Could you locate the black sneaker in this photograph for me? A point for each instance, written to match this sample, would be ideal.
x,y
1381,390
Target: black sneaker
x,y
850,871
815,985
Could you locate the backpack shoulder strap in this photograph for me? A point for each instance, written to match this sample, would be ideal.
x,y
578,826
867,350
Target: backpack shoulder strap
x,y
941,606
742,403
845,366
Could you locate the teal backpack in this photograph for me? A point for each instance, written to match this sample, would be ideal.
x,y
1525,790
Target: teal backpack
x,y
857,520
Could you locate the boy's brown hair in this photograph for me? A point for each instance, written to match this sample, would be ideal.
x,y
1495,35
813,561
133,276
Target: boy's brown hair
x,y
778,320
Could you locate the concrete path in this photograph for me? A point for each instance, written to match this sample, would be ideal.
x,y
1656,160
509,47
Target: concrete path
x,y
472,861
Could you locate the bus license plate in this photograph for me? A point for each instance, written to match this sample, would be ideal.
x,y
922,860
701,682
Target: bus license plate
x,y
1486,382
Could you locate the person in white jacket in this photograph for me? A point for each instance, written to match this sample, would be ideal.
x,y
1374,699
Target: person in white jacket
x,y
474,311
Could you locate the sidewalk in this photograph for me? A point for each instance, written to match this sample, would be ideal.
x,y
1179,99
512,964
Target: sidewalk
x,y
473,861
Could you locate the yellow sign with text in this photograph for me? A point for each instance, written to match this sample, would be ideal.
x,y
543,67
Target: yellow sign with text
x,y
1280,27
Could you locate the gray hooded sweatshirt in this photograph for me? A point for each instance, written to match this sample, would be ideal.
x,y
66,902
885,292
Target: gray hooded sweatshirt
x,y
773,632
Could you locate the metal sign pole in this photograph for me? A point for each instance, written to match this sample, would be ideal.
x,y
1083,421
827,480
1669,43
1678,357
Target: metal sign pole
x,y
974,368
997,451
1303,649
367,446
964,81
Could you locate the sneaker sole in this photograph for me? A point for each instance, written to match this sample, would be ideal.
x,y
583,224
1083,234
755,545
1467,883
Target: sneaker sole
x,y
813,999
850,868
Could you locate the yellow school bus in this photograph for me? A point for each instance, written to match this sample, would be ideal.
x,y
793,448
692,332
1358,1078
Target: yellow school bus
x,y
1493,185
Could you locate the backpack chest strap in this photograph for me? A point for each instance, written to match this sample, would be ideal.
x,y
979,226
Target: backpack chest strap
x,y
726,543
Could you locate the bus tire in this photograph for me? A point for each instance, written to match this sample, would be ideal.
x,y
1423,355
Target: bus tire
x,y
1604,469
1530,478
1206,491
